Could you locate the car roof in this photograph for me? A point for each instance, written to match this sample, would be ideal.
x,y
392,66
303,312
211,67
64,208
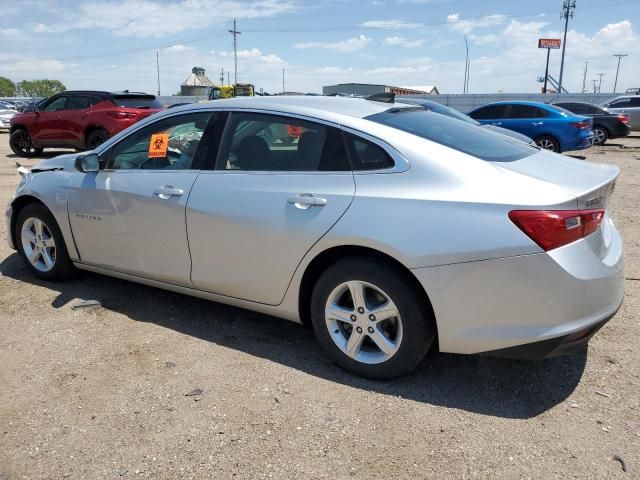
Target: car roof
x,y
320,106
519,102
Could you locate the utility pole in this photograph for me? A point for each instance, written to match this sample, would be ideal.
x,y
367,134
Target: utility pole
x,y
283,89
466,68
228,79
619,56
221,76
158,69
568,6
584,78
595,90
235,34
600,82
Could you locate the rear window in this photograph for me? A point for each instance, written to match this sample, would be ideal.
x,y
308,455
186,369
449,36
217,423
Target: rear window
x,y
464,137
132,101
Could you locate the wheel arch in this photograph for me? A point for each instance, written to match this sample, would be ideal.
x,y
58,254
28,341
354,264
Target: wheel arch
x,y
330,256
16,206
18,126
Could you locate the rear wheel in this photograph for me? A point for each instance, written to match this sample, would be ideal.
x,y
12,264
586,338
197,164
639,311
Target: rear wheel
x,y
368,318
547,142
41,245
20,143
96,137
600,135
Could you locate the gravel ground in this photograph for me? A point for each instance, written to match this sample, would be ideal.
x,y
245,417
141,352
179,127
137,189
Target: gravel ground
x,y
104,392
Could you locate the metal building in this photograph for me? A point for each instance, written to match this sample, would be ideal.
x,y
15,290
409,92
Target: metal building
x,y
197,84
366,89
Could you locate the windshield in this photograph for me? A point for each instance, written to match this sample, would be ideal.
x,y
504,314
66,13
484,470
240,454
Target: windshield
x,y
133,101
461,136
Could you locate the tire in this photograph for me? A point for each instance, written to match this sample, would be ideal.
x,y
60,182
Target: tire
x,y
600,135
20,143
547,142
51,244
409,334
96,137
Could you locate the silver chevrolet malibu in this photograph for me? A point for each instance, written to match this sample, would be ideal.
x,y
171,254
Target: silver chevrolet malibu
x,y
391,230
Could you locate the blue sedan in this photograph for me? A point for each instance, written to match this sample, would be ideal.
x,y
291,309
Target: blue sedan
x,y
552,128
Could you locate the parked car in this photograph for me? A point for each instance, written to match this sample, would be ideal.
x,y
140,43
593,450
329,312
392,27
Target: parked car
x,y
384,226
450,112
6,114
605,125
78,119
629,104
632,91
551,128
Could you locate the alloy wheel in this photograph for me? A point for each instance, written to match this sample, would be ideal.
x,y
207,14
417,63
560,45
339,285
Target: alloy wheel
x,y
598,136
38,244
22,141
363,322
546,144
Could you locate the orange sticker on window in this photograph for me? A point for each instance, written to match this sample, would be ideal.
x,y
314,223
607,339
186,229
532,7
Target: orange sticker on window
x,y
158,145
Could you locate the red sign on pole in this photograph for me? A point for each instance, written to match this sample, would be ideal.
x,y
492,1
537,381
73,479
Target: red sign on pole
x,y
549,43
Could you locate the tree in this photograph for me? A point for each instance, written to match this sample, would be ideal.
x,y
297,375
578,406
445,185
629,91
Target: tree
x,y
40,88
7,87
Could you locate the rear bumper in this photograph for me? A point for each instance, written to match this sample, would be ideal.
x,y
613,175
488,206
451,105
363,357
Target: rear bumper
x,y
497,304
554,347
622,131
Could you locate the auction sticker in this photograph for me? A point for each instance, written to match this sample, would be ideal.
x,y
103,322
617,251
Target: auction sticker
x,y
158,145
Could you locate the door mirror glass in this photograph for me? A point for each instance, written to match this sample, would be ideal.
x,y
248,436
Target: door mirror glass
x,y
88,163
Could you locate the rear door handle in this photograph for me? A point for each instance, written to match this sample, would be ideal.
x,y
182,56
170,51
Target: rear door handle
x,y
496,123
537,124
306,201
168,192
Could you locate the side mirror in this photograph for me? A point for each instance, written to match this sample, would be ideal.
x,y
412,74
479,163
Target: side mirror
x,y
88,163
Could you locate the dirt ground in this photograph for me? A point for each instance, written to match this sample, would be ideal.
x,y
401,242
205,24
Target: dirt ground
x,y
102,393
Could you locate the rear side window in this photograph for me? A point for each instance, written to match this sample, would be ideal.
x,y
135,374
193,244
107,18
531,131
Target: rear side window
x,y
133,101
490,112
464,137
622,103
366,155
524,111
265,142
77,103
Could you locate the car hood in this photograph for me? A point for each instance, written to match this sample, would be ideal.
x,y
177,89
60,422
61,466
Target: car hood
x,y
61,162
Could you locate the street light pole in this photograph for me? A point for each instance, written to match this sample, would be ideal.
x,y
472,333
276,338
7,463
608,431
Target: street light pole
x,y
466,67
158,69
619,55
283,89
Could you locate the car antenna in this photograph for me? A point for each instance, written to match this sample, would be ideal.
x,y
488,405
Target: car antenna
x,y
385,97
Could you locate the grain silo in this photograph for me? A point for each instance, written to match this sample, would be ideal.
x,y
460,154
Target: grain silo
x,y
197,84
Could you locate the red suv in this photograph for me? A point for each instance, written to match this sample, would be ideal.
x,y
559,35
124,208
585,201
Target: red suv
x,y
78,119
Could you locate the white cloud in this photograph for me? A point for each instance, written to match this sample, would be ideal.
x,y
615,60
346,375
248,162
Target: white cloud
x,y
405,42
468,25
351,45
396,24
146,18
254,53
177,48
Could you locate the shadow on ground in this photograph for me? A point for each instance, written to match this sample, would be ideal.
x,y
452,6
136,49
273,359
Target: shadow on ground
x,y
496,387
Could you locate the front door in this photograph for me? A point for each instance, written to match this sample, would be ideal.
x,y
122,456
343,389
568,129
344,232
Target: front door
x,y
46,127
271,198
130,216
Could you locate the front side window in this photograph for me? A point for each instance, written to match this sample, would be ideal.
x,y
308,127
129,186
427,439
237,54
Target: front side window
x,y
265,142
168,144
463,137
55,105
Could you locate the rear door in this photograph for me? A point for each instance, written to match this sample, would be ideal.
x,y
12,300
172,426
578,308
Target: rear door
x,y
74,119
251,220
130,216
528,120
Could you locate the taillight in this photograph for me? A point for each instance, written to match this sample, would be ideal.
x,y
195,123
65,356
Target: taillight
x,y
581,125
624,118
554,228
120,115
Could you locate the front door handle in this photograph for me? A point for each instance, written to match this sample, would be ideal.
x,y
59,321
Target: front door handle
x,y
306,201
168,192
537,124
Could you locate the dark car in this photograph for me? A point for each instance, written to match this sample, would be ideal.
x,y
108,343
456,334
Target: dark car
x,y
78,119
552,128
450,112
605,124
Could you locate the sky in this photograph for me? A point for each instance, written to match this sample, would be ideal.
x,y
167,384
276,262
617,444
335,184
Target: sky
x,y
112,44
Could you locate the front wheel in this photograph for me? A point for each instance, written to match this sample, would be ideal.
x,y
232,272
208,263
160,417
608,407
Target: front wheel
x,y
41,245
20,143
369,318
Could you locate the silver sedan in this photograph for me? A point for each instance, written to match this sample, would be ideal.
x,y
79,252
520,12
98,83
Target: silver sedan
x,y
388,228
